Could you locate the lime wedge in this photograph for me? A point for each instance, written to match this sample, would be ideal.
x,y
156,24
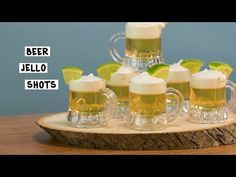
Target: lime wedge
x,y
104,71
71,73
159,70
193,65
226,69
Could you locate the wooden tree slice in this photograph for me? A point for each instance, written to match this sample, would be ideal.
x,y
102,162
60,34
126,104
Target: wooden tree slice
x,y
180,134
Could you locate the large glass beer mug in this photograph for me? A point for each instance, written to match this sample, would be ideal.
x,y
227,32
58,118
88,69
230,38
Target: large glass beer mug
x,y
142,45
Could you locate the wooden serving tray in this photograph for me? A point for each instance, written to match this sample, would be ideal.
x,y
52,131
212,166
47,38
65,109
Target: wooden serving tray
x,y
180,134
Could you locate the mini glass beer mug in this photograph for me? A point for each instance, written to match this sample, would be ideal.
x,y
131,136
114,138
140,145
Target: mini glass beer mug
x,y
179,78
208,103
119,84
149,106
142,45
91,104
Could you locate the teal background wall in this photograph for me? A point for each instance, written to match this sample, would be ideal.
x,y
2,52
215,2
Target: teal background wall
x,y
86,45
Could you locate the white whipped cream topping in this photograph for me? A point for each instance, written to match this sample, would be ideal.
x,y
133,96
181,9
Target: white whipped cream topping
x,y
178,73
147,85
207,79
89,83
144,30
122,76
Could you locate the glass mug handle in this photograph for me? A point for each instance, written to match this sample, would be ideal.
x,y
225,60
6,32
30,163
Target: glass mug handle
x,y
173,113
112,47
231,105
110,102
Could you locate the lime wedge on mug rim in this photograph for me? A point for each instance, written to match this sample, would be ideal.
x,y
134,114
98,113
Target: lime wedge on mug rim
x,y
159,70
224,68
71,73
105,70
193,65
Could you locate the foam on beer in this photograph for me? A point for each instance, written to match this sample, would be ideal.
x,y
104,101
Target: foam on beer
x,y
122,76
142,30
208,79
178,73
147,85
89,83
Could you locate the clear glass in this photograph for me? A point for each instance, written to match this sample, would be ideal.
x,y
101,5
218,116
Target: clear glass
x,y
184,88
153,112
231,106
210,106
112,47
91,109
140,54
175,103
121,111
122,94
